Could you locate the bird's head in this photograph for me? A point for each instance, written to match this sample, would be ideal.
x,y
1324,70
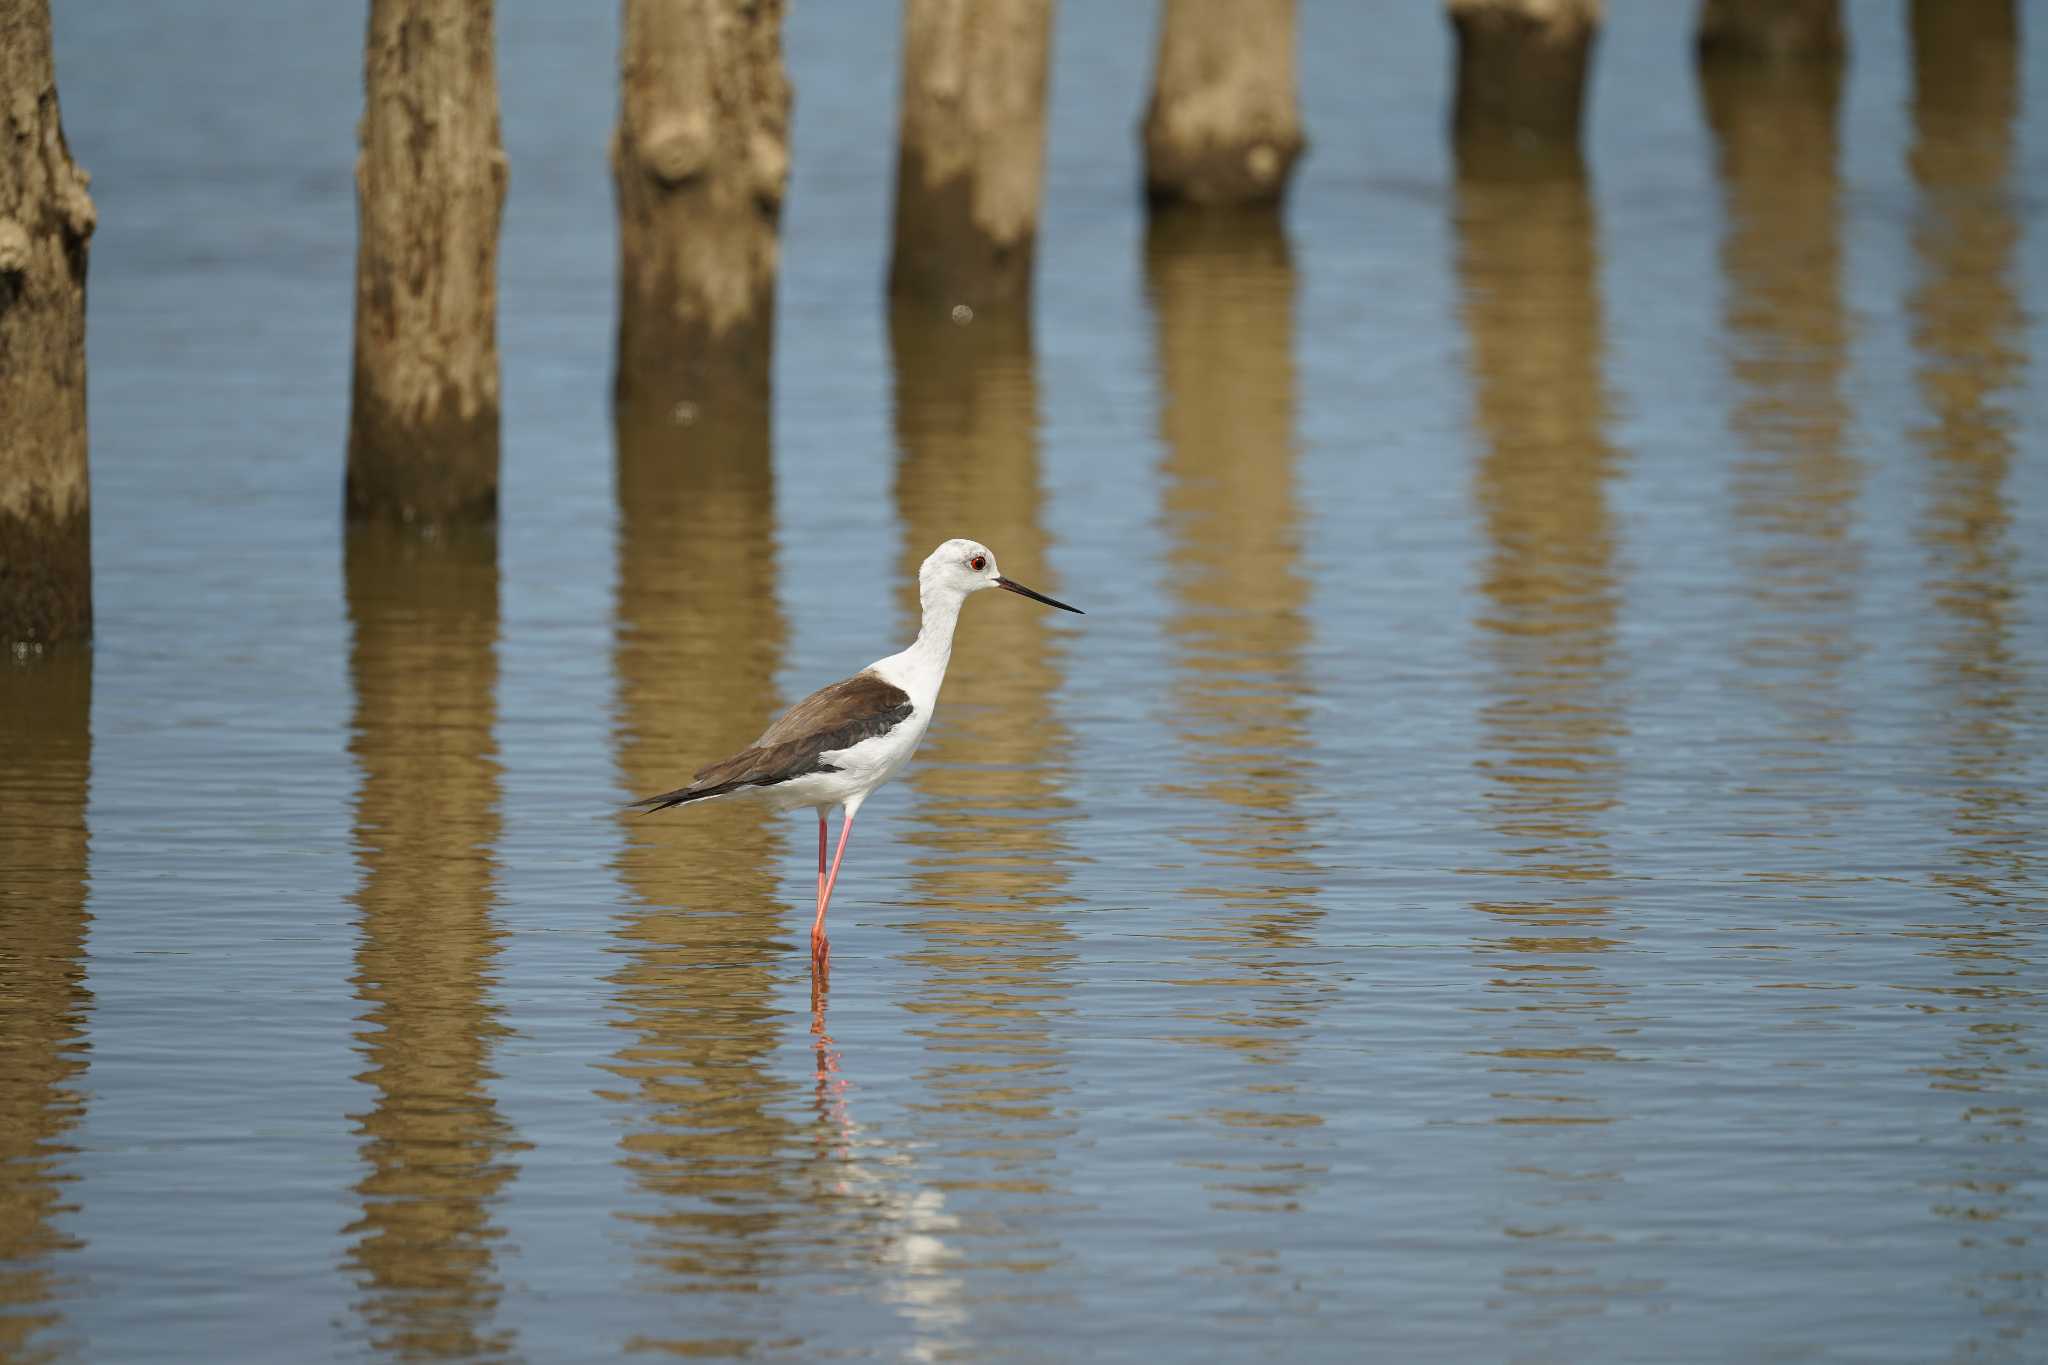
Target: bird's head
x,y
960,567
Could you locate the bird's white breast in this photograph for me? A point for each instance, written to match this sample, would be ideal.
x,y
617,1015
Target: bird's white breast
x,y
857,769
862,767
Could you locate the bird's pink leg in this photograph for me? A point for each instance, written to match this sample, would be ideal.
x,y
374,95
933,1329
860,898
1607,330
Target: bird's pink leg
x,y
821,861
819,947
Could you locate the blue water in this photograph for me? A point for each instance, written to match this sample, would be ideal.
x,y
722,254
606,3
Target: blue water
x,y
1535,852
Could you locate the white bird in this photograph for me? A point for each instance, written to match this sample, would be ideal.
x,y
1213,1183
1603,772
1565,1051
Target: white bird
x,y
837,745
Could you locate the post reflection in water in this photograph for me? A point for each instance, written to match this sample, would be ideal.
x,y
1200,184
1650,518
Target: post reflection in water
x,y
1527,260
1222,291
438,1154
45,731
699,638
1795,486
988,883
1968,327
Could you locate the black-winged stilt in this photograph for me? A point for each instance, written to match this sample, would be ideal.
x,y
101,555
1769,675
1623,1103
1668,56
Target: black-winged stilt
x,y
837,745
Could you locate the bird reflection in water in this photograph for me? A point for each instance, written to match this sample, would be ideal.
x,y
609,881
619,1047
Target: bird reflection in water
x,y
894,1213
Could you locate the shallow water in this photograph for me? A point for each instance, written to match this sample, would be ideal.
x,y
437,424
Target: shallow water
x,y
1535,853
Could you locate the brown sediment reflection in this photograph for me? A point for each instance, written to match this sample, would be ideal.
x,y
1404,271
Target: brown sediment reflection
x,y
1222,289
1795,485
1527,263
437,1152
45,731
988,875
1969,329
705,952
1528,260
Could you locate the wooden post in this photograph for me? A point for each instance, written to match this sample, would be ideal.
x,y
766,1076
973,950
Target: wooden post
x,y
1522,67
1224,124
971,154
423,422
1771,30
699,160
46,220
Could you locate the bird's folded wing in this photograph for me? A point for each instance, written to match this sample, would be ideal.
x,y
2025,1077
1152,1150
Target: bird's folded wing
x,y
832,718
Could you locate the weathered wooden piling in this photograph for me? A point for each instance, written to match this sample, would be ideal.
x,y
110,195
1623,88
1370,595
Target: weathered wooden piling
x,y
1223,127
971,152
1521,83
699,160
430,184
1771,30
46,221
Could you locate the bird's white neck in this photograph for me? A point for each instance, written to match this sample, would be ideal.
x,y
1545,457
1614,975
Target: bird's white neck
x,y
934,643
920,668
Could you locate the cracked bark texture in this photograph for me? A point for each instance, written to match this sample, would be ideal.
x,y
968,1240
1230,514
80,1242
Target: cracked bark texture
x,y
430,185
46,221
971,152
1521,84
1224,124
1771,30
700,160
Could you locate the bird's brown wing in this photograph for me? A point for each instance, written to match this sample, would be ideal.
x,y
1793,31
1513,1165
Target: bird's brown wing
x,y
834,717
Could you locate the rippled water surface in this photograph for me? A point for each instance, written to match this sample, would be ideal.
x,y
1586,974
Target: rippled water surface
x,y
1535,852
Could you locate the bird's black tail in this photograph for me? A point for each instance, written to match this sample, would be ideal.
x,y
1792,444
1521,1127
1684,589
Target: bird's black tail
x,y
647,805
681,796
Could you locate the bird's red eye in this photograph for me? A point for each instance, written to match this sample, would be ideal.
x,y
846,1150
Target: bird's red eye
x,y
978,563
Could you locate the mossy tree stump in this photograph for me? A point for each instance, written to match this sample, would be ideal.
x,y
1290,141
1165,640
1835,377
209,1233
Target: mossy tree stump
x,y
1773,31
1521,82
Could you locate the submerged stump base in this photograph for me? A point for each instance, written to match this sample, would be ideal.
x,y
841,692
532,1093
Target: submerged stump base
x,y
1771,31
45,576
1521,83
442,471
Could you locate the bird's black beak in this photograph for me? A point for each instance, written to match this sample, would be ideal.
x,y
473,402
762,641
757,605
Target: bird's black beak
x,y
1023,591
